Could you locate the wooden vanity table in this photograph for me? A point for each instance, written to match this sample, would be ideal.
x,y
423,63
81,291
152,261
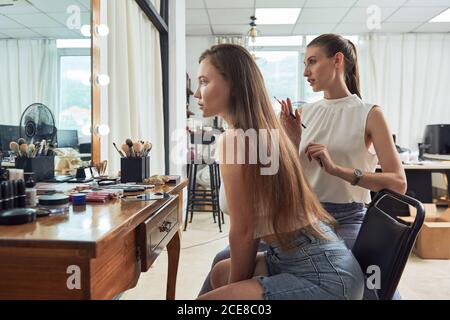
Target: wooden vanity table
x,y
94,252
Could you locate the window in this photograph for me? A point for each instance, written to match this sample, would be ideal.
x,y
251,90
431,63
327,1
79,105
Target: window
x,y
75,91
281,62
281,74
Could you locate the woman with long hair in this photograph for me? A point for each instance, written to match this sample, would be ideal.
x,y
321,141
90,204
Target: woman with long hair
x,y
305,259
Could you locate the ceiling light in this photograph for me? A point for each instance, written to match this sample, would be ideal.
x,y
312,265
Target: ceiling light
x,y
277,15
443,17
253,33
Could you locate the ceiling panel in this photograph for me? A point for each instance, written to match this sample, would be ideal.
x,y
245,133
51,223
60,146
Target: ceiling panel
x,y
415,14
434,27
234,29
356,15
196,16
55,6
35,20
380,3
6,23
62,18
195,4
86,4
21,33
427,3
230,16
322,15
329,3
21,7
387,27
213,4
275,30
198,30
280,3
58,33
313,28
351,28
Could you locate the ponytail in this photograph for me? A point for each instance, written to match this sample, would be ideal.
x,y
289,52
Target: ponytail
x,y
352,73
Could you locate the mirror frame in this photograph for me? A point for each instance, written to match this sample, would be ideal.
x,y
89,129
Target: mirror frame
x,y
95,89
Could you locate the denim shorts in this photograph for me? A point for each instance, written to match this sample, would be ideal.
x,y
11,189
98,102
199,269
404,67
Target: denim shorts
x,y
315,269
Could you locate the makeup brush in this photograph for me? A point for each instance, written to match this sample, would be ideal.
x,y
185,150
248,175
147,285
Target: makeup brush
x,y
126,150
24,150
291,113
41,149
14,146
120,152
137,148
129,143
31,149
148,149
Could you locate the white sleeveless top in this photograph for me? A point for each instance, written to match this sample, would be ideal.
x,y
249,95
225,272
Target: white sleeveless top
x,y
340,125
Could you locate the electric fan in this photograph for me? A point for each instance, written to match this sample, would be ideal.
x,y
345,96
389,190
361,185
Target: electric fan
x,y
37,123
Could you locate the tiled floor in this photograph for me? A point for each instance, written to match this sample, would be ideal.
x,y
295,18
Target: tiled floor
x,y
421,280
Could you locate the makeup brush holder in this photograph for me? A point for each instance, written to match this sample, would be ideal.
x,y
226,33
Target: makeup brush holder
x,y
134,169
43,167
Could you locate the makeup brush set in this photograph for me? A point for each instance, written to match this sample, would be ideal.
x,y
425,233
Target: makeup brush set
x,y
135,161
38,158
130,149
23,150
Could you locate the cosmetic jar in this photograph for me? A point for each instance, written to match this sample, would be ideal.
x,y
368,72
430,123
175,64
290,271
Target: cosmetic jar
x,y
54,204
79,199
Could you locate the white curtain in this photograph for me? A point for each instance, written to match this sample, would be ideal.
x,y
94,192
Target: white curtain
x,y
28,69
135,92
408,75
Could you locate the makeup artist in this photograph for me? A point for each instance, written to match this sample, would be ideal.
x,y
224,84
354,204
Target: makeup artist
x,y
345,137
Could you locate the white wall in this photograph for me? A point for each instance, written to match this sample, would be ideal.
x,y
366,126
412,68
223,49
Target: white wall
x,y
195,46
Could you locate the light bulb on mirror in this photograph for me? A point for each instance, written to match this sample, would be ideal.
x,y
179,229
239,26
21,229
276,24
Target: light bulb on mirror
x,y
102,80
102,30
102,130
86,30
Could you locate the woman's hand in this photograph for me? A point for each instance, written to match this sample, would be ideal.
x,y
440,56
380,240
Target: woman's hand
x,y
319,152
292,126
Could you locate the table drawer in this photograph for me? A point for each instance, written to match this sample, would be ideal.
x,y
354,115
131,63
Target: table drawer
x,y
155,233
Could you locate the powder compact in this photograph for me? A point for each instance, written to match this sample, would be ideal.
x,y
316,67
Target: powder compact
x,y
53,204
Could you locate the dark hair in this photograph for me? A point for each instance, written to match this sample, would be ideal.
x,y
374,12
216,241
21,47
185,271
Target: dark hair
x,y
334,43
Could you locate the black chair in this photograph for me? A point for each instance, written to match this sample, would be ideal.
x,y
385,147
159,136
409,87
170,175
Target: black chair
x,y
199,198
386,242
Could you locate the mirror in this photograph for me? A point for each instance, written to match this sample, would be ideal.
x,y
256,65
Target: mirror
x,y
45,58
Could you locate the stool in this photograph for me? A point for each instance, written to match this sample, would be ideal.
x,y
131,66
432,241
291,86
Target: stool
x,y
200,197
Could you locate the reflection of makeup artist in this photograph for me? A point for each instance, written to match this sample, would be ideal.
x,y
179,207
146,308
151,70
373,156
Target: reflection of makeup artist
x,y
345,137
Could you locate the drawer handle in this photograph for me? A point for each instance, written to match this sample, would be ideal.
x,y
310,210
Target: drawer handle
x,y
166,226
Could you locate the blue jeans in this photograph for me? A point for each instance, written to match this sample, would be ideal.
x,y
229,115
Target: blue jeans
x,y
349,217
315,269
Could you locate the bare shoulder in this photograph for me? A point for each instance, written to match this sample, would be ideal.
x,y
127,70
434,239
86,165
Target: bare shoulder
x,y
376,119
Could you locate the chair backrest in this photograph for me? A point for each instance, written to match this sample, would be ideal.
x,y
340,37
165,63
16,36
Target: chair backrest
x,y
386,243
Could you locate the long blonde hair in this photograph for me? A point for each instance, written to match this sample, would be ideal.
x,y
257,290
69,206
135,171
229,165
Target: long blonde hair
x,y
285,197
